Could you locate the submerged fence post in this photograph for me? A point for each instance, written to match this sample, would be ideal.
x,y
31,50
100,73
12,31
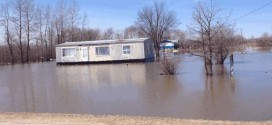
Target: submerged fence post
x,y
231,64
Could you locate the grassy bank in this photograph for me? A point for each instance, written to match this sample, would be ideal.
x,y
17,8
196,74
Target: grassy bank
x,y
67,119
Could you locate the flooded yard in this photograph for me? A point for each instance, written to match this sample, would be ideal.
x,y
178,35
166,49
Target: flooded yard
x,y
138,89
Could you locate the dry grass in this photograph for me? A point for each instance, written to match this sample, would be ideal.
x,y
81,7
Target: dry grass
x,y
169,66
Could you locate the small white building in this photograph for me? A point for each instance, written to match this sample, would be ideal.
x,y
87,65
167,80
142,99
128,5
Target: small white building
x,y
168,44
127,50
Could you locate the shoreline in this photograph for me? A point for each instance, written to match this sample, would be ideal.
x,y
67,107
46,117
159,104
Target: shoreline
x,y
10,118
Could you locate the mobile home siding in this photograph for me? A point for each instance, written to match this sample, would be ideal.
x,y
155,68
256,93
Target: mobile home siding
x,y
118,51
58,54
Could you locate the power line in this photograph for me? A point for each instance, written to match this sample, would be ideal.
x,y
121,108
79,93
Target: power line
x,y
253,11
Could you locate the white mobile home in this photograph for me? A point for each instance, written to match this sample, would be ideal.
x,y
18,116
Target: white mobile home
x,y
105,51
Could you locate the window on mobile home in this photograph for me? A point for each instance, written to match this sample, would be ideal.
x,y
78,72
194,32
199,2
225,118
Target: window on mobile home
x,y
69,52
126,49
102,51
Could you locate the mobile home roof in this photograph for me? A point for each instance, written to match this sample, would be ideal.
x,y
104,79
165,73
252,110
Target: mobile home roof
x,y
101,42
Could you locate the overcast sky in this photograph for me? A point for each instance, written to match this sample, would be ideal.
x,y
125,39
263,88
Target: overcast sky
x,y
120,14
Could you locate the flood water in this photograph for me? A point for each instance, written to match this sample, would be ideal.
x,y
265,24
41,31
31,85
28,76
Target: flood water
x,y
138,89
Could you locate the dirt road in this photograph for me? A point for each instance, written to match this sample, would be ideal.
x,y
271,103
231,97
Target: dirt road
x,y
66,119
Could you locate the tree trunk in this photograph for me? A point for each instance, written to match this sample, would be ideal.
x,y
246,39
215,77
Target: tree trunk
x,y
51,44
208,67
220,60
157,53
21,53
20,41
11,51
28,42
231,64
9,45
62,36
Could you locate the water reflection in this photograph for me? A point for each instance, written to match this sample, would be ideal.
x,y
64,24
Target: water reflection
x,y
219,95
139,89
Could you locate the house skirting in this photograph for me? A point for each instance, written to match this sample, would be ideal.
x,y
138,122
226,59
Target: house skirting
x,y
107,62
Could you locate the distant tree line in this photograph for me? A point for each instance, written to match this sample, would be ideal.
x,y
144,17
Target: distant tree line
x,y
265,41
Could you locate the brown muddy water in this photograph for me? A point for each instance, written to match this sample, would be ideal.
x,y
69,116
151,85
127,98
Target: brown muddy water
x,y
139,90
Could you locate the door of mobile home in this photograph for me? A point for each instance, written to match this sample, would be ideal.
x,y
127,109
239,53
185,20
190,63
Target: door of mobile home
x,y
85,54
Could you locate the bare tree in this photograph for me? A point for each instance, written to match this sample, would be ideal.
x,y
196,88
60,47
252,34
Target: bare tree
x,y
91,34
40,26
29,16
108,34
73,18
226,43
132,32
175,34
35,30
207,26
48,20
83,25
223,41
18,25
155,21
51,38
5,16
61,20
118,35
